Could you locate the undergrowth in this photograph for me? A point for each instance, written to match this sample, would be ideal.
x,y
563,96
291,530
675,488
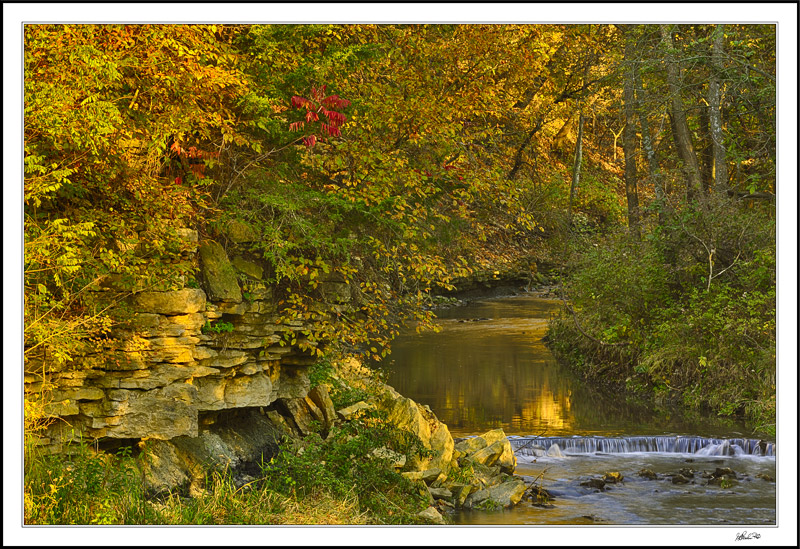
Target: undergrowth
x,y
686,314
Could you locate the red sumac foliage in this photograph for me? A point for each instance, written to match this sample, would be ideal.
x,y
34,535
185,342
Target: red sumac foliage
x,y
319,103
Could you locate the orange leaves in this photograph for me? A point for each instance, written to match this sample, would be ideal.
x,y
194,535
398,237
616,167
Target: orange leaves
x,y
195,159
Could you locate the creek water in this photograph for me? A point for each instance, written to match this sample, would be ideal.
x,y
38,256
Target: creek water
x,y
488,367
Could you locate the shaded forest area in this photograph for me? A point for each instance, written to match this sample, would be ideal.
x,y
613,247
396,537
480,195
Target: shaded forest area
x,y
638,161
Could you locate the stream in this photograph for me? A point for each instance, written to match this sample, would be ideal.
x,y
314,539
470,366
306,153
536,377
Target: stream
x,y
488,367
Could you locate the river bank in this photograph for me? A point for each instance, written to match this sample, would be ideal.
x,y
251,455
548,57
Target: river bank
x,y
488,367
623,369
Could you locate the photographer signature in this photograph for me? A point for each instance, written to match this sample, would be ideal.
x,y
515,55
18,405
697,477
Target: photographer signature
x,y
744,535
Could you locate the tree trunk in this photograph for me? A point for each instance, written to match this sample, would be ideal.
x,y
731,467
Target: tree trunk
x,y
576,165
629,137
654,171
521,149
706,152
680,128
714,115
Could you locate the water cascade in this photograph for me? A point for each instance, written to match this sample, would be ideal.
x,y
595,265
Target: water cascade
x,y
539,446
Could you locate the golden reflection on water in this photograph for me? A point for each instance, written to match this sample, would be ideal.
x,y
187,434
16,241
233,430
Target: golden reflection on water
x,y
490,372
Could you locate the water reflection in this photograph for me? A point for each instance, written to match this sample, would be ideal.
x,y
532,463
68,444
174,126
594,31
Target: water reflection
x,y
489,368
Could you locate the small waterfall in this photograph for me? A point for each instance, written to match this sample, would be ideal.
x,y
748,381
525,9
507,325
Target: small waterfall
x,y
540,446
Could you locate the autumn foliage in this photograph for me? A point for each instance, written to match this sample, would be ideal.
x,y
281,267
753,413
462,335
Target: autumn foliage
x,y
396,158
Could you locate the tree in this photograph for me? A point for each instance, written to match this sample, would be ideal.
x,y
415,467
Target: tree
x,y
629,140
680,127
715,116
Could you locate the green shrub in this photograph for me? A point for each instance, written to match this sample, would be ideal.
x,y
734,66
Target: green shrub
x,y
217,327
345,464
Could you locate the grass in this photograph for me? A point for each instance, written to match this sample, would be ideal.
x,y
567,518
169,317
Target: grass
x,y
96,488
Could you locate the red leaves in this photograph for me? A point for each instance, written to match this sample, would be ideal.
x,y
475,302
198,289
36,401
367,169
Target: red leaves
x,y
330,129
195,159
319,103
335,102
335,118
192,152
299,102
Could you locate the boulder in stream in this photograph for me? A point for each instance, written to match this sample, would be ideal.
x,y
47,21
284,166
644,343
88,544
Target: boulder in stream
x,y
613,477
723,472
595,484
680,479
537,495
648,474
506,494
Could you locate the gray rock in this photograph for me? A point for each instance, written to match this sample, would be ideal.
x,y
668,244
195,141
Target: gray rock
x,y
430,475
250,268
490,448
648,474
484,475
431,515
239,232
441,493
350,411
460,493
680,479
396,460
595,484
506,494
488,455
218,273
162,413
245,438
315,412
409,416
319,396
298,411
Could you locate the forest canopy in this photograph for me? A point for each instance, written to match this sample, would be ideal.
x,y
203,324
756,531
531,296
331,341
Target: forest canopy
x,y
639,160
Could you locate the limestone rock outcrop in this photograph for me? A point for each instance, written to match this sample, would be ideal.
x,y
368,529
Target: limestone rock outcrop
x,y
483,464
182,353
